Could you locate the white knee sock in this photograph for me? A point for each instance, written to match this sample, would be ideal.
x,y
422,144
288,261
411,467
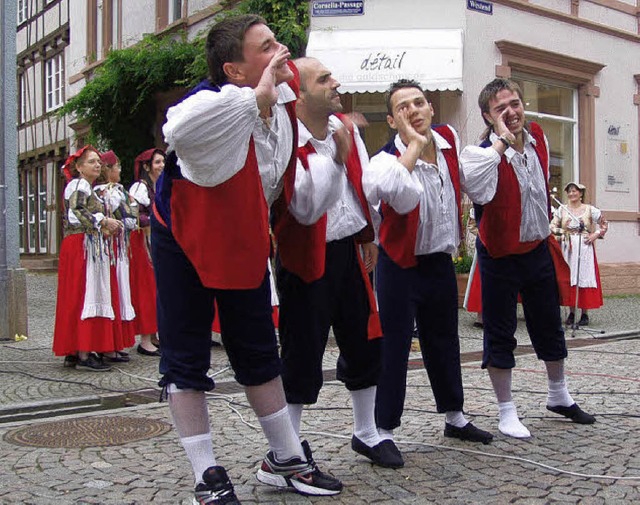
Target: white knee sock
x,y
456,418
295,412
559,394
509,423
199,449
282,438
385,434
364,423
191,419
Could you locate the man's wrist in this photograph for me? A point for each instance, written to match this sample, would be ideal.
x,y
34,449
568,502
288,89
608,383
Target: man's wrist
x,y
505,140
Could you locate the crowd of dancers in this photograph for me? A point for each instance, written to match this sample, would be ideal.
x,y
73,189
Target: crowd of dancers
x,y
260,151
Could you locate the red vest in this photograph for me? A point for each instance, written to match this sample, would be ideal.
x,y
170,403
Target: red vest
x,y
302,247
398,232
499,228
224,230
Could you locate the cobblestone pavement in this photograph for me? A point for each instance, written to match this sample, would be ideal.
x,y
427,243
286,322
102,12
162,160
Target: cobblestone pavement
x,y
561,463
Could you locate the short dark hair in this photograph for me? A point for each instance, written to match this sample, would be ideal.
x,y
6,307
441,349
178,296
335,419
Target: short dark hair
x,y
225,43
490,91
399,84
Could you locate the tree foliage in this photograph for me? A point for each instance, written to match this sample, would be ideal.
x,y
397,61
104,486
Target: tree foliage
x,y
289,20
119,102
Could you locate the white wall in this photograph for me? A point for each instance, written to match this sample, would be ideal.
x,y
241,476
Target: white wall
x,y
398,14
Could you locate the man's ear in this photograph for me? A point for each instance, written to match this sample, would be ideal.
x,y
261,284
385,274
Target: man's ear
x,y
391,122
233,72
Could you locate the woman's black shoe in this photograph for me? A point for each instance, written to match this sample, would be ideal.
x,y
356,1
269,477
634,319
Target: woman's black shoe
x,y
144,352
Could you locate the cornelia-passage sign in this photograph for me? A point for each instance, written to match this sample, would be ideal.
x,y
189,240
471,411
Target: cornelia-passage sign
x,y
338,8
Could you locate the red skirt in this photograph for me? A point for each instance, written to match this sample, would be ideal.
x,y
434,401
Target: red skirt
x,y
72,334
588,298
143,285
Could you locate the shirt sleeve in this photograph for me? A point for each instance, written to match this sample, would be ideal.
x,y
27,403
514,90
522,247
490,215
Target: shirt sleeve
x,y
386,179
79,214
140,192
210,133
314,189
479,173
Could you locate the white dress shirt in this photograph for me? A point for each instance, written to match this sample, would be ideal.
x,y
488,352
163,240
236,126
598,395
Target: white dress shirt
x,y
210,132
324,187
480,181
429,185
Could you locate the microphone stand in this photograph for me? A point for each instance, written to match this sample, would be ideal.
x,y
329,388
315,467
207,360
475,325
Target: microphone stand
x,y
575,326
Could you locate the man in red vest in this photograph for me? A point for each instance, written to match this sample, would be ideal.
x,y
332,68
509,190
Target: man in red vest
x,y
230,142
415,178
507,178
325,231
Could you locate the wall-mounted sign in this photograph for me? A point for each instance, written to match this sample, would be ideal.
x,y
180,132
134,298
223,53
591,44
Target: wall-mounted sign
x,y
480,6
618,159
337,8
369,60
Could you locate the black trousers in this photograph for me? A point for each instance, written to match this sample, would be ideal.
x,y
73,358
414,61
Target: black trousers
x,y
307,312
428,294
533,276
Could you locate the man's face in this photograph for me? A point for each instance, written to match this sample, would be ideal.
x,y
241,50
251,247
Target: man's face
x,y
320,93
509,103
258,49
414,103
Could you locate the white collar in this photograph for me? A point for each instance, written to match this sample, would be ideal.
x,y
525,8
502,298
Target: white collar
x,y
440,142
304,135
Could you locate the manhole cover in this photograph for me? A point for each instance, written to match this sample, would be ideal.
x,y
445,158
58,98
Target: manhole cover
x,y
87,432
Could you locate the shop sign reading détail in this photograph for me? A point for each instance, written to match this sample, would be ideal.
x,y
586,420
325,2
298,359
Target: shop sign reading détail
x,y
369,60
337,8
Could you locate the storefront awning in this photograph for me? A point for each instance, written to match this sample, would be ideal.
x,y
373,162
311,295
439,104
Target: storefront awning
x,y
370,60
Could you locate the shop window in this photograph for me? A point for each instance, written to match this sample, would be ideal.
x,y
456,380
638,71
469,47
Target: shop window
x,y
575,128
554,107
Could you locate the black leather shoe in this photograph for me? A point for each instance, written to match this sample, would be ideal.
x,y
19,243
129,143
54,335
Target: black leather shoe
x,y
385,454
575,413
144,352
467,432
584,320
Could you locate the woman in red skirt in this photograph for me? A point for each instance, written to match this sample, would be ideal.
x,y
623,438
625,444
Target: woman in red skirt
x,y
88,308
147,168
578,225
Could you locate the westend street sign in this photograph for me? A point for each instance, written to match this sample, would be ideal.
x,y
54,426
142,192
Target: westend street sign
x,y
480,6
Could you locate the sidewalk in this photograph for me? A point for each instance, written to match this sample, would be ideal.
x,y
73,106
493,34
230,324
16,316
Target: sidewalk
x,y
141,460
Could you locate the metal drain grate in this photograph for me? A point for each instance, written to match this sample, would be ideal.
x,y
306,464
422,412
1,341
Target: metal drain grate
x,y
87,432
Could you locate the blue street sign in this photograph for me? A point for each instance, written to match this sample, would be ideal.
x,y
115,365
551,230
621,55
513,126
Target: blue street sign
x,y
338,8
480,6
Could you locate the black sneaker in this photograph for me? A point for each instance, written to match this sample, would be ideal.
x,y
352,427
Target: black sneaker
x,y
92,364
216,488
303,476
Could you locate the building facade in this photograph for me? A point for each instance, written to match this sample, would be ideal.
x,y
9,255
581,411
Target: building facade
x,y
577,61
